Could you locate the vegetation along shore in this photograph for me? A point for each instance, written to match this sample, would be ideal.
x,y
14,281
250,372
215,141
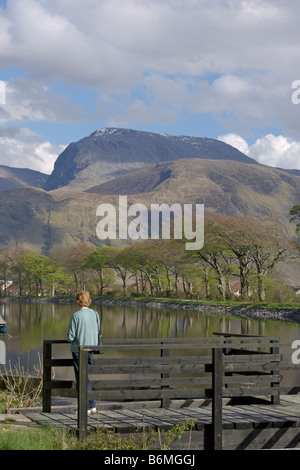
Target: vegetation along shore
x,y
289,312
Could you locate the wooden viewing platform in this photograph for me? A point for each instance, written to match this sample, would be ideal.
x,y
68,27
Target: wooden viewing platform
x,y
228,385
245,427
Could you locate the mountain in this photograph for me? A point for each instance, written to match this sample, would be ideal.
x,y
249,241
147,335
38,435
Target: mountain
x,y
13,178
42,212
225,187
112,152
41,220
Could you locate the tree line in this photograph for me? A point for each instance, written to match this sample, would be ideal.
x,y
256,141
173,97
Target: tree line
x,y
235,249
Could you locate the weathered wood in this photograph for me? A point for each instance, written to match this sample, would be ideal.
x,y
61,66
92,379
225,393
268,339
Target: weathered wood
x,y
60,384
244,427
148,394
83,392
58,362
180,367
141,382
175,369
47,355
217,384
164,354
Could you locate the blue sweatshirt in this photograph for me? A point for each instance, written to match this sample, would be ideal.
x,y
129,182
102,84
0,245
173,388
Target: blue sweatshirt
x,y
83,329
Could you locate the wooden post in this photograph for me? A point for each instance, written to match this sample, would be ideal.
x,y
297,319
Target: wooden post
x,y
47,356
165,402
217,398
83,392
275,399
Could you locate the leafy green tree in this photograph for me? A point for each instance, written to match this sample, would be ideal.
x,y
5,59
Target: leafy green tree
x,y
5,269
269,246
216,254
40,271
100,261
73,260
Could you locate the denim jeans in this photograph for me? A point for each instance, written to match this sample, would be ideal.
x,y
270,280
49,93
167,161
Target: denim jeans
x,y
91,403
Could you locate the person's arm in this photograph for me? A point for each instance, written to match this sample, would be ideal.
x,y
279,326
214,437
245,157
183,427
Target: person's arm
x,y
71,334
98,322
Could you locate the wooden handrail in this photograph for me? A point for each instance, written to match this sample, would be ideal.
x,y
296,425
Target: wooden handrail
x,y
218,364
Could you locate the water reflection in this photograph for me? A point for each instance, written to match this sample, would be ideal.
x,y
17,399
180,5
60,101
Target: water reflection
x,y
29,324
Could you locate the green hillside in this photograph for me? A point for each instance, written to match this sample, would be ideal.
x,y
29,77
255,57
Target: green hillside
x,y
41,220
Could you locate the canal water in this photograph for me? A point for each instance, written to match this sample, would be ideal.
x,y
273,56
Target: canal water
x,y
28,324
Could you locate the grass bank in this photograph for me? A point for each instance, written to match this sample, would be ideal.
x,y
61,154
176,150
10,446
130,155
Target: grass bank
x,y
212,303
163,300
49,438
283,311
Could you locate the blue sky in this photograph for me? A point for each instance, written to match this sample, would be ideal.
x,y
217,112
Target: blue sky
x,y
219,69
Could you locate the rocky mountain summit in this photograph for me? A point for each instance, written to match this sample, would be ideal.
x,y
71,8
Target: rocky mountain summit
x,y
112,152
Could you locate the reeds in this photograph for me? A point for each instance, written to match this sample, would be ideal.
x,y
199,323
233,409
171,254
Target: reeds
x,y
20,388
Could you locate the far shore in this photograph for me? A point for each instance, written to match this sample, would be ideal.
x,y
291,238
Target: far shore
x,y
289,312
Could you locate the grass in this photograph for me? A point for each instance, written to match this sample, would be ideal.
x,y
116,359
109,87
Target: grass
x,y
214,303
49,438
19,388
174,300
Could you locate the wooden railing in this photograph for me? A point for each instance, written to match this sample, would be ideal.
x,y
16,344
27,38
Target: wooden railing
x,y
173,370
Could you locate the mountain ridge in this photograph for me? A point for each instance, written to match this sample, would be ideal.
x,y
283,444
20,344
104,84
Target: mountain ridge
x,y
14,178
110,152
42,220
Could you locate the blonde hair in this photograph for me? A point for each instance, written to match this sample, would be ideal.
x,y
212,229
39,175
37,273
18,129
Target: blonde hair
x,y
83,299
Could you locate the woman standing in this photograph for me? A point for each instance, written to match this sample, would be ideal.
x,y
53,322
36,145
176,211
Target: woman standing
x,y
83,331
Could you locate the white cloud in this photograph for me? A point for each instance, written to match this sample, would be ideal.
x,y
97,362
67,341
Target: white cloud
x,y
110,43
22,148
28,100
275,151
156,61
235,141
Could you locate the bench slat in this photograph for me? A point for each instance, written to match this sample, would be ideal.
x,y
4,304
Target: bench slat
x,y
187,382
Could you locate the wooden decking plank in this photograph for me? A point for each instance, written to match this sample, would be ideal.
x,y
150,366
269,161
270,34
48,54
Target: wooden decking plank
x,y
277,420
106,423
284,415
140,419
238,418
119,421
291,411
250,418
278,416
171,416
277,410
158,419
63,420
290,399
39,417
202,419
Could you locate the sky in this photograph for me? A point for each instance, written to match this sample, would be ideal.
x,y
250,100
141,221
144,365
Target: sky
x,y
223,69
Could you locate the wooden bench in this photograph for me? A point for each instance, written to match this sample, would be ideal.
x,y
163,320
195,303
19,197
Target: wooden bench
x,y
174,372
